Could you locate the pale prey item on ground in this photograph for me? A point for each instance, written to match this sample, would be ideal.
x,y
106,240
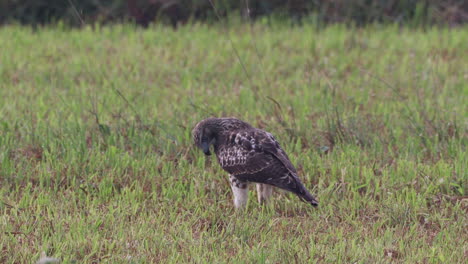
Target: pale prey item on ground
x,y
249,155
47,260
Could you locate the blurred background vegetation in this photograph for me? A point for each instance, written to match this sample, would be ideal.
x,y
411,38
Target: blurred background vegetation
x,y
144,12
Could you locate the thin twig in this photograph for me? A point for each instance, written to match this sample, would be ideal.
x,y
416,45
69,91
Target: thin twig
x,y
77,13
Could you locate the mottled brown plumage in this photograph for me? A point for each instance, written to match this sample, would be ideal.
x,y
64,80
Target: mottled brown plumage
x,y
249,154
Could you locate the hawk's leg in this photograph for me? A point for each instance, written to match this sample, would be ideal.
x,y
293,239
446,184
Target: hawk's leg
x,y
240,189
264,192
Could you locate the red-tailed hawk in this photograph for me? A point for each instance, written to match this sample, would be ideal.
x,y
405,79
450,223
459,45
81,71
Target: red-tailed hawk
x,y
249,155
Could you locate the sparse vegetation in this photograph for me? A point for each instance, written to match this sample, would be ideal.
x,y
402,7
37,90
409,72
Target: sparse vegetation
x,y
97,164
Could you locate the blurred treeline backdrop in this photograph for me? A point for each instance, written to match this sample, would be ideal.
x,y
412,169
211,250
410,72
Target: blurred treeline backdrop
x,y
144,12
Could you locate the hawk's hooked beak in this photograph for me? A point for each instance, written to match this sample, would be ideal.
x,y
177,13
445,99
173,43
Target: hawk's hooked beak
x,y
206,148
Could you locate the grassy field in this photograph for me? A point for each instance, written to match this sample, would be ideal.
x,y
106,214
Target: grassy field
x,y
97,163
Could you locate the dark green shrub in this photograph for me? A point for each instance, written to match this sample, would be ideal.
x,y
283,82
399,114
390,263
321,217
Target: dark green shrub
x,y
143,12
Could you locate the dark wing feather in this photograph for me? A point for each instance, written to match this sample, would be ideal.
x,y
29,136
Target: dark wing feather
x,y
270,145
241,153
251,151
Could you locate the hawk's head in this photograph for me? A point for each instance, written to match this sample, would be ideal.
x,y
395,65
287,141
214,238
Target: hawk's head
x,y
205,133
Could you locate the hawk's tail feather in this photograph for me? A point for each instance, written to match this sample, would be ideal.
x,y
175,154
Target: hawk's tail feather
x,y
308,198
292,184
305,195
